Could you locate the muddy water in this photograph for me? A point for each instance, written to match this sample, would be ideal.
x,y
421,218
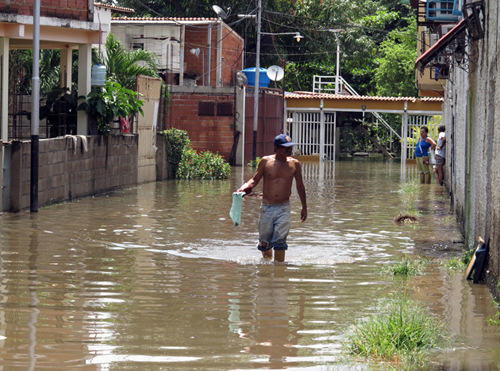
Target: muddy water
x,y
158,278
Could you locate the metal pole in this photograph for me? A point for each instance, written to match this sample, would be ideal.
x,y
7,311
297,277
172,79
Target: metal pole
x,y
209,53
338,65
256,92
35,103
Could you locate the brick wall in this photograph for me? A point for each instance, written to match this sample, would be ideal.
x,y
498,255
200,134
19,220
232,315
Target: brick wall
x,y
110,163
66,9
212,133
232,46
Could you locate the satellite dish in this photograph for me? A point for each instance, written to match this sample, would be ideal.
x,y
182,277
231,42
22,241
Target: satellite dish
x,y
241,78
275,73
220,12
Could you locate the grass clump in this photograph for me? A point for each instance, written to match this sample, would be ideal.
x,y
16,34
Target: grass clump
x,y
405,267
455,264
403,332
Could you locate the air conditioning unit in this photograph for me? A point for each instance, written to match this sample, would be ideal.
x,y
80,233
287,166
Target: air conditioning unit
x,y
445,28
433,38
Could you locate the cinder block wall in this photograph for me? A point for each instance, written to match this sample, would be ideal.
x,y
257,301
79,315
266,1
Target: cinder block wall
x,y
212,133
66,172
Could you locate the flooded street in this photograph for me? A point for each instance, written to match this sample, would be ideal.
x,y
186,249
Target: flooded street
x,y
158,277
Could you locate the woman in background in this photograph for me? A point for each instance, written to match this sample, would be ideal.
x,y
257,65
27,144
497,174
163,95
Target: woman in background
x,y
424,143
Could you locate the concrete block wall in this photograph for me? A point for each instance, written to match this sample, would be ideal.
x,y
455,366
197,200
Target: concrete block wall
x,y
212,133
66,172
472,102
66,9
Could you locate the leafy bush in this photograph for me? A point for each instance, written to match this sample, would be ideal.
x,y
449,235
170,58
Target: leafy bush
x,y
176,140
189,164
205,165
401,332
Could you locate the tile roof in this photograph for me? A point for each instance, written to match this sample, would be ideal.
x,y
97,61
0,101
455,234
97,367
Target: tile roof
x,y
163,19
114,7
310,95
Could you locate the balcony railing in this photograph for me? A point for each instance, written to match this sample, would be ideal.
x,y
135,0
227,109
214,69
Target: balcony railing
x,y
443,10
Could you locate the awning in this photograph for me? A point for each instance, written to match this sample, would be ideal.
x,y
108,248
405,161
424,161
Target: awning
x,y
438,47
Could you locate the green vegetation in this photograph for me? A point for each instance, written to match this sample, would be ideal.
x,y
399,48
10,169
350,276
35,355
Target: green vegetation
x,y
402,332
405,267
204,165
176,140
123,66
396,71
188,163
455,264
496,303
112,100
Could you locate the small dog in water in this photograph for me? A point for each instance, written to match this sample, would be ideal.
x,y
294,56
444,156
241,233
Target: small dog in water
x,y
405,218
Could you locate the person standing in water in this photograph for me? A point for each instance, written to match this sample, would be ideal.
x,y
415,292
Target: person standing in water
x,y
440,154
278,172
421,150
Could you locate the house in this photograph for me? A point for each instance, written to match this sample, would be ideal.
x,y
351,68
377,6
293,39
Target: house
x,y
198,60
435,18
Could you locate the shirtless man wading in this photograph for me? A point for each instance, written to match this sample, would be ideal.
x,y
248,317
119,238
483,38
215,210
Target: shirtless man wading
x,y
278,172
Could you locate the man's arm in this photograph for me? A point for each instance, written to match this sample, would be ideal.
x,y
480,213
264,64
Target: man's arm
x,y
301,190
248,186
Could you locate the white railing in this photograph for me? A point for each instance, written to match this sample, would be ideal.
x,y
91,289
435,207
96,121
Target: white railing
x,y
328,84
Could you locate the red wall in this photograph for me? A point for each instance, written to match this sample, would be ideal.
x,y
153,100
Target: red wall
x,y
67,9
212,133
232,48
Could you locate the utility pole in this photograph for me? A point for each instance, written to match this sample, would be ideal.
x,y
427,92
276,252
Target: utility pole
x,y
35,109
256,91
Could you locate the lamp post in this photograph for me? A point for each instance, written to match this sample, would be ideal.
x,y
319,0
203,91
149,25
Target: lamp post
x,y
335,30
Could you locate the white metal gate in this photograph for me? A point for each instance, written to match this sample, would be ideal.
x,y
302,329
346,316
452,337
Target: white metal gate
x,y
305,128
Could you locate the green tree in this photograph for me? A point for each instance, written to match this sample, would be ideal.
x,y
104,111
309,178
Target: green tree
x,y
395,74
123,66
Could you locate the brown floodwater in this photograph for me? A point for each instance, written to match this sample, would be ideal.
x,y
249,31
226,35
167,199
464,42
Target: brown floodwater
x,y
158,278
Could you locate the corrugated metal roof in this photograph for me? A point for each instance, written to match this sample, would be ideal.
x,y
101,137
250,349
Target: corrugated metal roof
x,y
114,7
310,95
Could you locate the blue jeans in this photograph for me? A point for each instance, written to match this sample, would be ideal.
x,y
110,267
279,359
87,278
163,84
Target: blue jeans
x,y
274,225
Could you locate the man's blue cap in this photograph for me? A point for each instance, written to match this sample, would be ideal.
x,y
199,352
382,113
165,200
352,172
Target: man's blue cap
x,y
283,140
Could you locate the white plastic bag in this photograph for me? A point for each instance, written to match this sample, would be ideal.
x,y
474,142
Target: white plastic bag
x,y
235,212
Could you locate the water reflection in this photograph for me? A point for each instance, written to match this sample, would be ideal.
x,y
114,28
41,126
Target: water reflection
x,y
158,277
